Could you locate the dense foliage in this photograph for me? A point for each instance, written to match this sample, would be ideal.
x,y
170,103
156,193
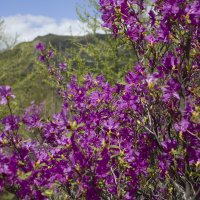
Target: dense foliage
x,y
92,53
137,140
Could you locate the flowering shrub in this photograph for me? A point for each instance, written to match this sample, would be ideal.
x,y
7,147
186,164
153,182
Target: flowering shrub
x,y
137,140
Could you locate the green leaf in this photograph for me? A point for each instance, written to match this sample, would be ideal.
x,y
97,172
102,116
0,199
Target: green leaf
x,y
24,176
80,125
114,147
48,192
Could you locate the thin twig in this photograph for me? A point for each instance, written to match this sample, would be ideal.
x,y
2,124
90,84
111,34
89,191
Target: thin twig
x,y
193,135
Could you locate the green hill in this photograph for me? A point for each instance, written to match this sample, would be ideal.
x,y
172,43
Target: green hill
x,y
84,54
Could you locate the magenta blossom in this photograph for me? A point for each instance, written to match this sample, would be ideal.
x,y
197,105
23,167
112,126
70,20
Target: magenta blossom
x,y
40,46
5,94
63,66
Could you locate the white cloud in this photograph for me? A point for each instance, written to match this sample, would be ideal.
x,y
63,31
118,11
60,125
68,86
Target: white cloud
x,y
29,27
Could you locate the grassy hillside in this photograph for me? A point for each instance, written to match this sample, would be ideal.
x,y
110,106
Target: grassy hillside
x,y
85,54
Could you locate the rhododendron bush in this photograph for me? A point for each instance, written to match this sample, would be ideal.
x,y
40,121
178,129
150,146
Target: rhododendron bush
x,y
135,140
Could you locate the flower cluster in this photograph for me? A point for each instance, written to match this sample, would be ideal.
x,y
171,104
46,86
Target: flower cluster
x,y
5,94
136,140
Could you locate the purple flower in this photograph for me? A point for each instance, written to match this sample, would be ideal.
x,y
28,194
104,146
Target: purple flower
x,y
171,90
11,122
50,54
95,98
169,144
135,32
110,124
170,62
63,66
42,58
193,12
102,164
40,46
151,39
5,94
32,116
182,125
58,76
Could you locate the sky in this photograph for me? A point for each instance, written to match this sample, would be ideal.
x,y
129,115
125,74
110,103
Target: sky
x,y
56,9
31,18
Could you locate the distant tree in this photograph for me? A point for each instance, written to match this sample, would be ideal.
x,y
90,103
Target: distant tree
x,y
6,41
90,15
111,57
1,29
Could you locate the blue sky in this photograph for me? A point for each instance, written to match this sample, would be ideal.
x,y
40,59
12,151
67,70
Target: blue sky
x,y
56,9
31,18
